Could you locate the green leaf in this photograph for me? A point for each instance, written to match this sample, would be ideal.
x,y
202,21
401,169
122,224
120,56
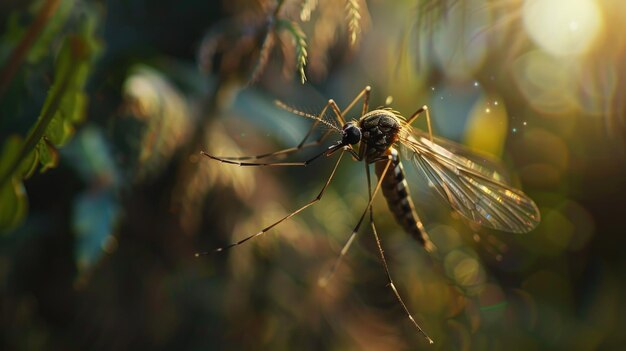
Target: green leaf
x,y
14,204
48,155
64,106
66,100
12,195
74,107
54,131
28,165
10,152
66,96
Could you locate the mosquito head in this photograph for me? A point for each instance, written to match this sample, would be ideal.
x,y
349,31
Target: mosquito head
x,y
350,134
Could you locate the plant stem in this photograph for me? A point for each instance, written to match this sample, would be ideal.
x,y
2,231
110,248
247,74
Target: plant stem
x,y
40,127
279,6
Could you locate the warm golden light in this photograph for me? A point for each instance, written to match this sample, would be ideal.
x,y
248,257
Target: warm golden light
x,y
562,27
549,84
487,126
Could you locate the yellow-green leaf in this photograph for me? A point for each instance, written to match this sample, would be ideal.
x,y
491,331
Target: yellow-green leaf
x,y
10,151
56,130
14,203
64,106
48,155
28,165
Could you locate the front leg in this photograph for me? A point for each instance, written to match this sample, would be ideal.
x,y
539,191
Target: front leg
x,y
416,114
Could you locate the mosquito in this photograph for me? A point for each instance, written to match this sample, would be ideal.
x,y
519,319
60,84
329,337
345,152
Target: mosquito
x,y
472,188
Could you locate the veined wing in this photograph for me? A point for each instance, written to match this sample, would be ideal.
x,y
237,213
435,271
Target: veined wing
x,y
480,162
476,191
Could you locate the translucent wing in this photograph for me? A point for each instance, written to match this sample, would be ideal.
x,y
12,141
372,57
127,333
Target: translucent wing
x,y
480,162
476,191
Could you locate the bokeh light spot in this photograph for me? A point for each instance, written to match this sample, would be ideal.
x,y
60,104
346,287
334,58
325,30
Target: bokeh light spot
x,y
549,84
487,127
562,27
465,270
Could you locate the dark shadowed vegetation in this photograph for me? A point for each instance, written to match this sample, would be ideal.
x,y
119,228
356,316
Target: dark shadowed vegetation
x,y
105,197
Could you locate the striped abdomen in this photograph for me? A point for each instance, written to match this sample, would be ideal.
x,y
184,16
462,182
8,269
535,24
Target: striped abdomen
x,y
396,191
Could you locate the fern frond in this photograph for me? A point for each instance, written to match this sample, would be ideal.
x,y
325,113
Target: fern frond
x,y
308,6
301,44
353,15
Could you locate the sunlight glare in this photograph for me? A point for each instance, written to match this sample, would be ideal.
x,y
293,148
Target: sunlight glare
x,y
562,27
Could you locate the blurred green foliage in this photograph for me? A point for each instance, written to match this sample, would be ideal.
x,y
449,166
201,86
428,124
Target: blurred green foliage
x,y
64,106
115,99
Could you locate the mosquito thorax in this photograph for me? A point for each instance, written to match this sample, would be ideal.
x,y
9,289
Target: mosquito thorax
x,y
351,134
380,130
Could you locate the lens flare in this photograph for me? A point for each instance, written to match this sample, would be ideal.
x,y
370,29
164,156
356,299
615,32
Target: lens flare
x,y
548,83
562,27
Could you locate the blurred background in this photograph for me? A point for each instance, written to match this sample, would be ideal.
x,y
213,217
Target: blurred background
x,y
115,99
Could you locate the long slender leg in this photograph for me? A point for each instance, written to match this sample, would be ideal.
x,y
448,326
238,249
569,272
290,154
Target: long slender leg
x,y
303,143
416,114
235,160
384,260
365,93
287,151
338,114
324,280
264,230
274,164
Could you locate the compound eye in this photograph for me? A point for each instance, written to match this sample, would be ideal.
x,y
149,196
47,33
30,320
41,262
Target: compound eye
x,y
351,134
